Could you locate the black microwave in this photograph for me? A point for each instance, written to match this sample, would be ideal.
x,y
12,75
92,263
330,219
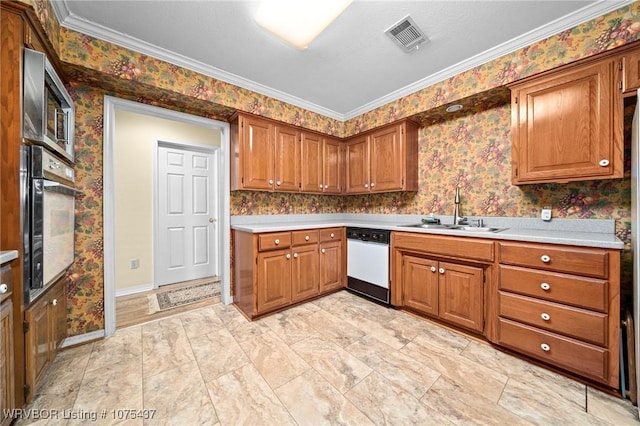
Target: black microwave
x,y
48,112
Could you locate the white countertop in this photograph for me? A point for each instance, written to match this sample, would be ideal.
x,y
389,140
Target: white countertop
x,y
578,232
8,255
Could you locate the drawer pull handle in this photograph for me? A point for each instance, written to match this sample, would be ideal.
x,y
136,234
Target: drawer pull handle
x,y
545,316
277,241
545,258
332,235
545,347
441,270
3,288
545,286
433,269
323,251
288,256
306,238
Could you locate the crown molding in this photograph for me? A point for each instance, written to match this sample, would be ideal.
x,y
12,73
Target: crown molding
x,y
587,13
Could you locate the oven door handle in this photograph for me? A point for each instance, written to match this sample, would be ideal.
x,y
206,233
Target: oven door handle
x,y
50,185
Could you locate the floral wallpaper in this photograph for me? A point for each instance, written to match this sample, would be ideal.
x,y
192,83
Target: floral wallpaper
x,y
470,149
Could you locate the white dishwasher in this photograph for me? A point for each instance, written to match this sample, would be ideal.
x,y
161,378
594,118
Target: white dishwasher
x,y
368,262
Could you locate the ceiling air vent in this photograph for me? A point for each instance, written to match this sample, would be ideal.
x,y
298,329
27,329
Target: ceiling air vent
x,y
407,34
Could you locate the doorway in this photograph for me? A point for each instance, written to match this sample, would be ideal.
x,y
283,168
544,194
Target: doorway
x,y
126,263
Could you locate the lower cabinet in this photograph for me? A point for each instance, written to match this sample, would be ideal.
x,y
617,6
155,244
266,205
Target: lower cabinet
x,y
450,291
45,321
7,378
274,270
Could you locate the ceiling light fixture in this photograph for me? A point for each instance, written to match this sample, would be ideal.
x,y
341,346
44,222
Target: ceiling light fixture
x,y
298,22
454,108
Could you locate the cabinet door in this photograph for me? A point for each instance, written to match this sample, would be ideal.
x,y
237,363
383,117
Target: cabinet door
x,y
386,159
287,159
332,166
357,158
631,74
311,167
257,153
331,272
564,127
58,316
461,295
274,280
420,284
7,382
37,344
305,272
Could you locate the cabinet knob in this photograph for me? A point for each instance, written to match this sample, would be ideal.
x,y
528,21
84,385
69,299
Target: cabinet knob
x,y
545,258
332,235
366,185
295,255
288,256
545,347
270,181
433,269
326,187
545,316
603,163
278,183
3,288
545,286
277,241
323,251
54,302
306,238
320,186
373,184
441,270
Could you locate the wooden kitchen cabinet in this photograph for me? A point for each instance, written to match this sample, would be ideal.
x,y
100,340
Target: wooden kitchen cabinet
x,y
45,321
383,160
277,269
630,64
561,305
321,164
287,159
7,381
332,259
432,277
567,124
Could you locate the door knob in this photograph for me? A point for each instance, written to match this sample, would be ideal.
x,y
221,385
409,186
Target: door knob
x,y
433,269
211,220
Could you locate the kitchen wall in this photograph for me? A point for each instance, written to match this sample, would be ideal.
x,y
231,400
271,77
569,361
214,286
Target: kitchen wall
x,y
134,150
472,150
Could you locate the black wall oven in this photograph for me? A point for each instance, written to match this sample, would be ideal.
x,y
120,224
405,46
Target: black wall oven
x,y
49,219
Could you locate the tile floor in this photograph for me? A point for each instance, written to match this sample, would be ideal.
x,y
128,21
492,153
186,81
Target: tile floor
x,y
337,360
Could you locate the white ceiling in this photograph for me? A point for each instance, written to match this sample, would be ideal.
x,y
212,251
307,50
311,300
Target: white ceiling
x,y
352,67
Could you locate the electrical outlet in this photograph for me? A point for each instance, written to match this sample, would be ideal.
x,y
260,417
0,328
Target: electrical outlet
x,y
546,213
134,264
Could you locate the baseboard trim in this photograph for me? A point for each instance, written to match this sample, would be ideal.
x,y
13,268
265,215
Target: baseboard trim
x,y
133,290
82,338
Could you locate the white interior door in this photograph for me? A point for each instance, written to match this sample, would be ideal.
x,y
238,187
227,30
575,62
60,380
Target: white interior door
x,y
187,231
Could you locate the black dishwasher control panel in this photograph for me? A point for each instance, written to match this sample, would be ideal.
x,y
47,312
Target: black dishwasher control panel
x,y
380,236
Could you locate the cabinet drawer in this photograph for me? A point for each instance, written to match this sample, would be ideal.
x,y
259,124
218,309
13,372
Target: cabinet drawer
x,y
6,278
330,234
276,240
573,322
589,293
305,237
573,355
574,260
465,248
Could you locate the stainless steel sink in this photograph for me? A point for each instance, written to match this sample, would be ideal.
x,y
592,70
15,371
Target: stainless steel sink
x,y
467,228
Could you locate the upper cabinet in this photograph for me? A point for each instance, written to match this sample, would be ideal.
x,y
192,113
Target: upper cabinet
x,y
383,160
567,124
321,164
631,71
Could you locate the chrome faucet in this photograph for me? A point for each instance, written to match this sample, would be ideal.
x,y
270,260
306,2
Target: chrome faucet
x,y
457,219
